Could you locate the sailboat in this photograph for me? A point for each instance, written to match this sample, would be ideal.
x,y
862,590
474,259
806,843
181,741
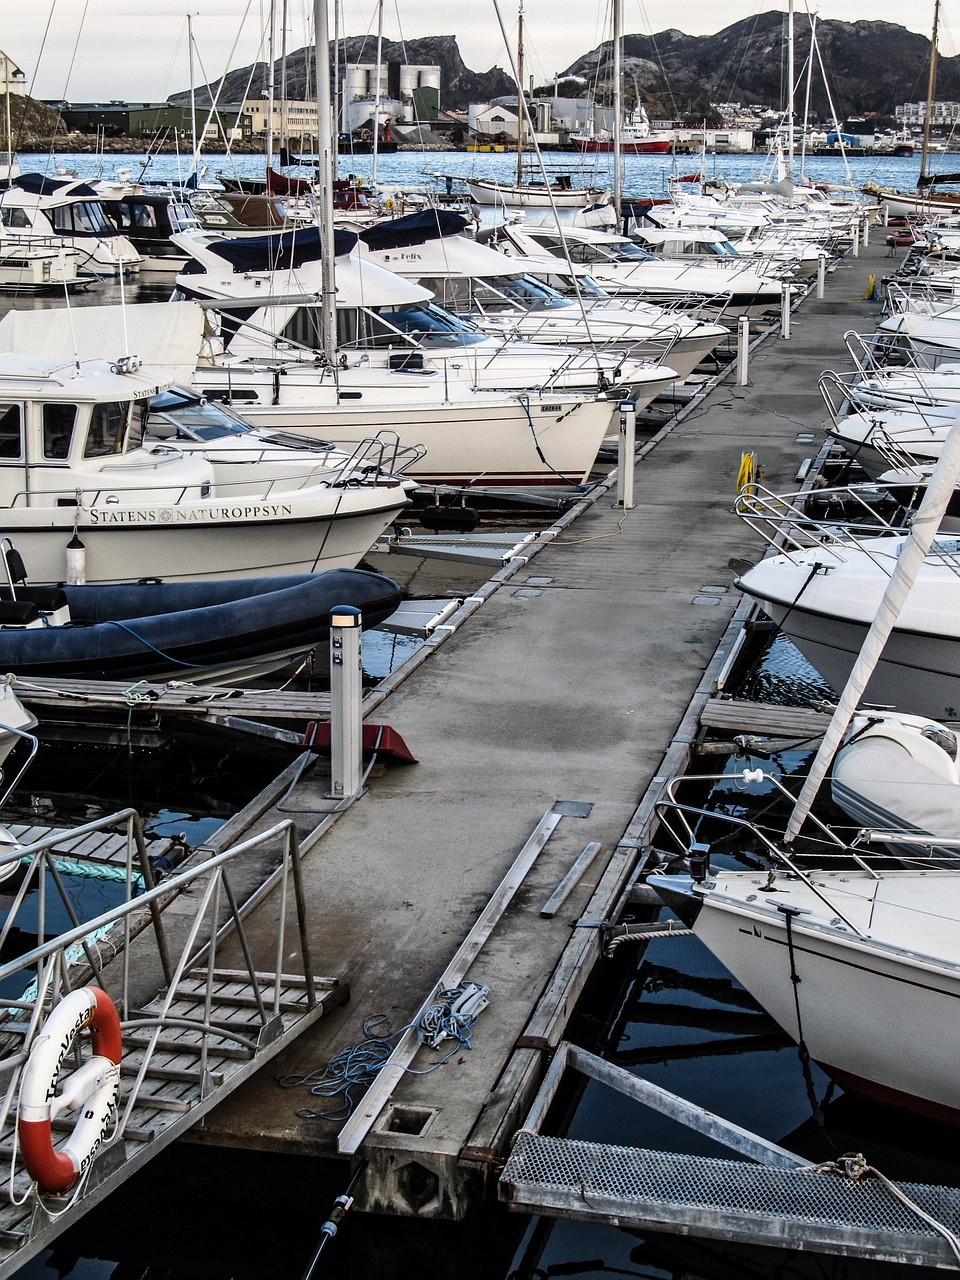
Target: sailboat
x,y
905,203
524,193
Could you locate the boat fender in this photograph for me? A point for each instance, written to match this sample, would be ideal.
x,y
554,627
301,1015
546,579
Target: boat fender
x,y
93,1088
76,562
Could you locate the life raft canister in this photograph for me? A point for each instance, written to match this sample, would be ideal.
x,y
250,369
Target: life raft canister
x,y
94,1088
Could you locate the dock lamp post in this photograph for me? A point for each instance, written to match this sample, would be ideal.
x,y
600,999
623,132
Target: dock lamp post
x,y
346,727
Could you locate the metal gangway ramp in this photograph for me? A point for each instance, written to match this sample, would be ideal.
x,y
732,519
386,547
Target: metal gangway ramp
x,y
773,1197
200,1010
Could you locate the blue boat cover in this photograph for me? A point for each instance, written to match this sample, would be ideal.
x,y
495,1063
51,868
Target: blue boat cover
x,y
38,185
414,228
282,252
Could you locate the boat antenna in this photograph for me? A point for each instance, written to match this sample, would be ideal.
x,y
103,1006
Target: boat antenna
x,y
931,87
917,543
193,87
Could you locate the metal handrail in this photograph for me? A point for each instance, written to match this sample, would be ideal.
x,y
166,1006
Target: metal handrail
x,y
57,962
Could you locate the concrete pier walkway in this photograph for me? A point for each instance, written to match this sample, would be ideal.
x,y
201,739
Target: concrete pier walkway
x,y
567,684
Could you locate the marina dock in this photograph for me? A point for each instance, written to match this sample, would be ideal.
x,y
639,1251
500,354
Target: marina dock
x,y
543,716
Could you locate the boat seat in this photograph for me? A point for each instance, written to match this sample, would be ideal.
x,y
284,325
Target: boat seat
x,y
20,613
47,598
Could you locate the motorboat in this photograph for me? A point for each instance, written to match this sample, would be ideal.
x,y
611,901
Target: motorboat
x,y
36,264
622,267
862,967
148,217
202,631
78,473
901,773
825,596
437,429
501,295
385,321
853,949
72,214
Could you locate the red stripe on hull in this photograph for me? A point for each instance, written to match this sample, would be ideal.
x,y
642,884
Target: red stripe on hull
x,y
894,1097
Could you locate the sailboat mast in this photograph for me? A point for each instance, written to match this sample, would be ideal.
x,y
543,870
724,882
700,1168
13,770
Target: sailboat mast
x,y
520,96
271,89
376,101
931,87
326,155
791,92
193,92
617,107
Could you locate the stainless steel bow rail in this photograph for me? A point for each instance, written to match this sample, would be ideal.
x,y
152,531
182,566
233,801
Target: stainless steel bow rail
x,y
201,1006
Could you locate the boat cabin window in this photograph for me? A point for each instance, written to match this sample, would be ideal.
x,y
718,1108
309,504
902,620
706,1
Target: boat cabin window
x,y
133,213
181,416
58,421
526,292
11,431
14,218
108,427
84,218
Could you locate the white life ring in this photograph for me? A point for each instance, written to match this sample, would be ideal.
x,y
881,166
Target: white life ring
x,y
94,1088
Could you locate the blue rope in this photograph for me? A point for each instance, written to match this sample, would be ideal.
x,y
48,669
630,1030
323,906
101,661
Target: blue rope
x,y
112,622
353,1070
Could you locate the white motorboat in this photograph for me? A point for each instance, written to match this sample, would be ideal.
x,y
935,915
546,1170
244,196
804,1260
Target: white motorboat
x,y
870,962
499,294
622,267
77,475
36,264
72,215
384,321
824,597
880,439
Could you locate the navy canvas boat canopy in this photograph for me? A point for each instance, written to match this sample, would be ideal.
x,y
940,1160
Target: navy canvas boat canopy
x,y
414,228
38,185
281,252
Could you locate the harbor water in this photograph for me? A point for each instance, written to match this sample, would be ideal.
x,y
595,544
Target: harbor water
x,y
664,1009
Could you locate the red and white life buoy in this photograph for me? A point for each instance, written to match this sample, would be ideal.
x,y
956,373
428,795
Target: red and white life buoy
x,y
93,1087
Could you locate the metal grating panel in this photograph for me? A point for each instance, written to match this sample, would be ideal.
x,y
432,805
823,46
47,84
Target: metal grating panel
x,y
588,1170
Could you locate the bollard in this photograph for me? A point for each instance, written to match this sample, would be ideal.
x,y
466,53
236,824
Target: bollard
x,y
821,274
346,726
885,215
625,454
743,351
856,239
866,231
785,299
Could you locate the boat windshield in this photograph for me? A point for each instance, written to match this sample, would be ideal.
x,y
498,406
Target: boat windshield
x,y
174,414
524,291
82,218
431,325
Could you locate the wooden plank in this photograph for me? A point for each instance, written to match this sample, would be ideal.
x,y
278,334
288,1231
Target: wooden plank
x,y
566,885
734,715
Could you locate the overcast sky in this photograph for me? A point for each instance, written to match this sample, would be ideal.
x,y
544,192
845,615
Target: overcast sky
x,y
119,49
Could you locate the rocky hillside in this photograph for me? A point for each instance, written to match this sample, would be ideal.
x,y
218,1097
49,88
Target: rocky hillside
x,y
459,85
871,66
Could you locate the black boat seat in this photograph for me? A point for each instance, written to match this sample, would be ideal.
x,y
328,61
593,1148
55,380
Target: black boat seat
x,y
47,598
19,613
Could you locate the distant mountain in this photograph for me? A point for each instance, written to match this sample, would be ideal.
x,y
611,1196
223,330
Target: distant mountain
x,y
458,85
871,66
